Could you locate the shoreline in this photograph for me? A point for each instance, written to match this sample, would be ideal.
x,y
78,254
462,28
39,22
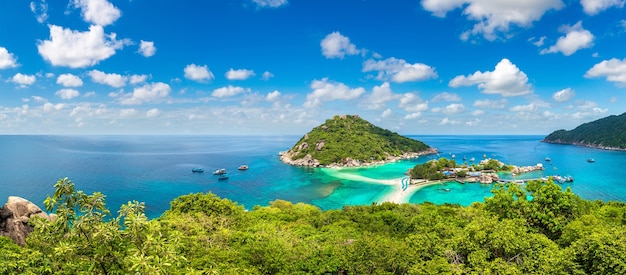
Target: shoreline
x,y
399,196
308,161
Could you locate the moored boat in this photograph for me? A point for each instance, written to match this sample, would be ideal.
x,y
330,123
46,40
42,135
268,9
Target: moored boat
x,y
223,177
590,160
197,170
219,171
243,167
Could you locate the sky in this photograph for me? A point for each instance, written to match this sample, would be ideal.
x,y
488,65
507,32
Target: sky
x,y
282,67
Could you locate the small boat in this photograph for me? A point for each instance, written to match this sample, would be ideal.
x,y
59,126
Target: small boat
x,y
223,177
548,159
243,167
472,159
221,171
590,160
197,170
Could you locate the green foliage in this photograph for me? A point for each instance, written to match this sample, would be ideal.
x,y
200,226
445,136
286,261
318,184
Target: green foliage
x,y
539,229
353,137
605,132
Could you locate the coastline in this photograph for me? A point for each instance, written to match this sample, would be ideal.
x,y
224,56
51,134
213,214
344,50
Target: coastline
x,y
580,144
309,161
399,196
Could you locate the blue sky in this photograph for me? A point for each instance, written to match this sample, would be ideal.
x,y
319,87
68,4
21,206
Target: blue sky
x,y
274,67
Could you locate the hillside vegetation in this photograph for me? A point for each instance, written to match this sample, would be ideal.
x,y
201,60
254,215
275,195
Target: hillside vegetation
x,y
345,138
605,133
536,229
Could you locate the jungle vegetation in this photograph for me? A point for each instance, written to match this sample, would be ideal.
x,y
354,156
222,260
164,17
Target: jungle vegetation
x,y
536,229
352,137
605,132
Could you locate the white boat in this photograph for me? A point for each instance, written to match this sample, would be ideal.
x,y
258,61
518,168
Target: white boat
x,y
243,167
221,171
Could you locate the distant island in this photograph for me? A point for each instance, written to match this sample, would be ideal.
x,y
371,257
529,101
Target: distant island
x,y
350,141
607,133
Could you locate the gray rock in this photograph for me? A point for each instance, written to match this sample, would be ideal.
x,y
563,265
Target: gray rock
x,y
14,218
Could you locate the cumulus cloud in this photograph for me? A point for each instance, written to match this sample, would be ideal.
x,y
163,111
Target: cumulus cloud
x,y
198,73
69,80
494,17
445,96
386,113
398,70
40,10
23,79
7,59
270,3
411,102
77,49
506,79
98,12
325,90
67,93
272,96
267,75
614,70
147,93
335,45
147,48
154,112
454,108
575,38
563,95
524,108
447,121
491,104
241,74
126,113
380,96
111,79
138,78
49,107
227,91
593,7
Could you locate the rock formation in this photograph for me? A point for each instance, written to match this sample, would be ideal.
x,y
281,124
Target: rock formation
x,y
14,218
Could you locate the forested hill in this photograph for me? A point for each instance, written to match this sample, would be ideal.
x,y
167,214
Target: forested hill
x,y
605,133
351,141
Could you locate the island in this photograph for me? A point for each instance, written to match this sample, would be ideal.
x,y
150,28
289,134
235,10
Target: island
x,y
351,141
607,133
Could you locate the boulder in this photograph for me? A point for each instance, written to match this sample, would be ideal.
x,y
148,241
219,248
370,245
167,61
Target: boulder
x,y
14,218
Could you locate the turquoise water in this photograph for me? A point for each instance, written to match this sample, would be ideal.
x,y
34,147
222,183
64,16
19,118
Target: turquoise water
x,y
156,169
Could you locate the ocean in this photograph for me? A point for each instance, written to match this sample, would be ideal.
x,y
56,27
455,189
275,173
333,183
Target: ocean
x,y
157,169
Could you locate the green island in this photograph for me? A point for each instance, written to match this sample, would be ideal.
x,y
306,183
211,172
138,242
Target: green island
x,y
484,171
606,133
538,228
348,141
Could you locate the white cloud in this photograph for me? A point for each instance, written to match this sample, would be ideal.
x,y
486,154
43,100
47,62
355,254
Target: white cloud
x,y
413,115
447,121
491,104
126,113
270,3
147,93
138,78
454,108
524,108
411,102
98,12
494,17
49,107
539,42
386,113
380,96
324,90
7,59
77,49
154,112
593,7
267,75
478,112
272,96
227,91
614,70
335,45
67,93
69,80
445,96
575,38
40,10
506,79
23,79
198,73
241,74
147,48
112,79
398,70
564,95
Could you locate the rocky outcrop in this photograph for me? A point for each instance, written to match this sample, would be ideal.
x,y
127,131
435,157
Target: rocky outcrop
x,y
526,169
14,218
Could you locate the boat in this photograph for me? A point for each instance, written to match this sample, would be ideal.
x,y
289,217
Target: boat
x,y
243,167
472,159
223,177
197,170
221,171
590,160
548,159
563,179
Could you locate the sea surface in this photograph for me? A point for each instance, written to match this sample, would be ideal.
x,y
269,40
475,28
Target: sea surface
x,y
157,169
